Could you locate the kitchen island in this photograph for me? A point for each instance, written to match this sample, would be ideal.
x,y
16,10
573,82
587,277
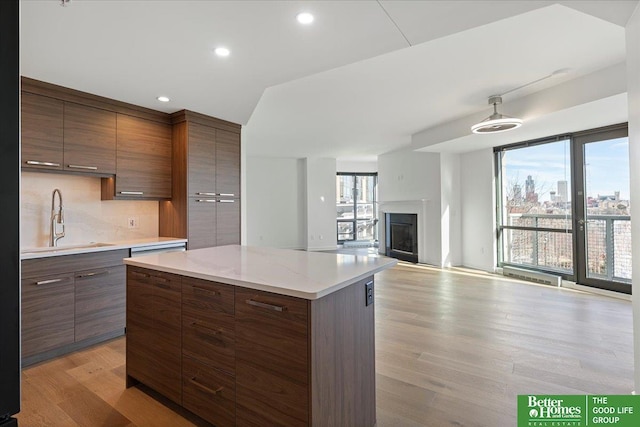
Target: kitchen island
x,y
244,335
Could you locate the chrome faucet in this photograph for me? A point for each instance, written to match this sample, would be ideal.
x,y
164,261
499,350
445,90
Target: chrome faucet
x,y
57,217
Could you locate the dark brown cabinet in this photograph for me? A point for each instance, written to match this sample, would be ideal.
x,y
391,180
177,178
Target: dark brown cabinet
x,y
89,139
154,341
47,313
253,358
143,154
208,350
64,308
205,207
42,135
272,359
99,301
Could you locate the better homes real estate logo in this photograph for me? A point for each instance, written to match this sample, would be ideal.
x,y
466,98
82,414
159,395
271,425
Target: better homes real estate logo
x,y
578,410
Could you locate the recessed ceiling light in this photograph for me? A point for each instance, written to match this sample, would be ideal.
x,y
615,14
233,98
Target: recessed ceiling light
x,y
163,99
222,51
304,18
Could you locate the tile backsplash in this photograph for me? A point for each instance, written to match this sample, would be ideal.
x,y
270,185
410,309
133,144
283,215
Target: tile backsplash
x,y
87,218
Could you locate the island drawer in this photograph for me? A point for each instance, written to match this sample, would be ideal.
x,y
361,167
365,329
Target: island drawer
x,y
208,392
202,297
271,332
210,340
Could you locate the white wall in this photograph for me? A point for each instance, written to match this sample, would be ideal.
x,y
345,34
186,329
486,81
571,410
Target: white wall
x,y
415,176
354,166
477,210
633,96
321,203
276,202
450,209
87,218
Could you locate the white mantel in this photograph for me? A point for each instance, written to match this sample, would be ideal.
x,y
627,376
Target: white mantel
x,y
428,235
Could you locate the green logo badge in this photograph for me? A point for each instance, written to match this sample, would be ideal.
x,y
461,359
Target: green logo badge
x,y
578,410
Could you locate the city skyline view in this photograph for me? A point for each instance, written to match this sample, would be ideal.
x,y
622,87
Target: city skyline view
x,y
549,163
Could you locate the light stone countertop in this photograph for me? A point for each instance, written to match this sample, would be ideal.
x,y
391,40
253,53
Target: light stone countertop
x,y
308,275
149,242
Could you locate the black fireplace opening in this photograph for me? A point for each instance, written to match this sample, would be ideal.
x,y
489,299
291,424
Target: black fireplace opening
x,y
402,236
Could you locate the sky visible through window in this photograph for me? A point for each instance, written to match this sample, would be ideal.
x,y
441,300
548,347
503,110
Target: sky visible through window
x,y
607,168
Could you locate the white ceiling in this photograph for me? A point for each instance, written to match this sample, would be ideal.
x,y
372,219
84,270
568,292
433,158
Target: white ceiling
x,y
348,86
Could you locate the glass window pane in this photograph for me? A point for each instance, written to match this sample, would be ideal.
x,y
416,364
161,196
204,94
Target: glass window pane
x,y
542,249
536,186
365,230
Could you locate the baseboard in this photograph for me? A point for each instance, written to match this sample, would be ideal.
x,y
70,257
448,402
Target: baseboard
x,y
322,248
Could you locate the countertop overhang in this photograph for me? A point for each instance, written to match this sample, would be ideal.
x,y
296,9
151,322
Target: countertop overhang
x,y
302,274
45,252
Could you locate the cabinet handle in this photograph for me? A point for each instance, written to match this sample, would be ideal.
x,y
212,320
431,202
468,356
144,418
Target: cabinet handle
x,y
227,195
206,194
227,201
213,331
131,193
137,273
91,168
206,200
36,163
265,305
206,291
48,282
204,388
93,273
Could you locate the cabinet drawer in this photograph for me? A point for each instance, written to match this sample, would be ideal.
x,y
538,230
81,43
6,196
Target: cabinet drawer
x,y
209,393
267,399
271,332
211,340
63,264
202,298
100,301
47,313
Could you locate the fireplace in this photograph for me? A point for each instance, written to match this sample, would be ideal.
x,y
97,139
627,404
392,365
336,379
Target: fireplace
x,y
402,236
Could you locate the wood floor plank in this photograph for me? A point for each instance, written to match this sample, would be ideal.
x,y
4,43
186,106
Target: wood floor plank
x,y
453,348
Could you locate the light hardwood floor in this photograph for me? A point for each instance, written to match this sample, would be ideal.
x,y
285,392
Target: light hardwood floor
x,y
453,348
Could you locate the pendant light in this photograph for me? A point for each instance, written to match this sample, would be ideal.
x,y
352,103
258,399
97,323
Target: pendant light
x,y
496,122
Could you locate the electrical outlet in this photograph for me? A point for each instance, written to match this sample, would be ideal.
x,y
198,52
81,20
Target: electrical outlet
x,y
368,288
132,222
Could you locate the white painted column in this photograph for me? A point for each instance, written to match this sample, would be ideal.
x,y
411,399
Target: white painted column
x,y
321,204
633,94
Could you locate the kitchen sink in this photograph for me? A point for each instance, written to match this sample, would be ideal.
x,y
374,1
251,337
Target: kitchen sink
x,y
53,249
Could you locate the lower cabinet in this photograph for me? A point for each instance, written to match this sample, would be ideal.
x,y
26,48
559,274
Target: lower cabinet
x,y
154,342
65,308
240,357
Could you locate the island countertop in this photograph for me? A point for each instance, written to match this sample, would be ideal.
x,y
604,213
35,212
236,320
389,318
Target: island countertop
x,y
302,274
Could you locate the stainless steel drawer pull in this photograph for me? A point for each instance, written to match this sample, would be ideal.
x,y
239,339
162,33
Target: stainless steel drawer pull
x,y
132,193
227,195
206,194
48,282
206,200
213,331
90,168
206,291
204,388
36,163
265,305
227,201
93,273
137,273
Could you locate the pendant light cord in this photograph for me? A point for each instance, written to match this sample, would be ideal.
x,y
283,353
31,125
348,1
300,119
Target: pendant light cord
x,y
554,74
394,23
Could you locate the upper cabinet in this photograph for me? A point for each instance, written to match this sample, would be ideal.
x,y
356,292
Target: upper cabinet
x,y
89,139
205,203
42,121
64,130
143,167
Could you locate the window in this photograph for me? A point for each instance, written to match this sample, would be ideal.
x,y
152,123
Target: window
x,y
356,207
